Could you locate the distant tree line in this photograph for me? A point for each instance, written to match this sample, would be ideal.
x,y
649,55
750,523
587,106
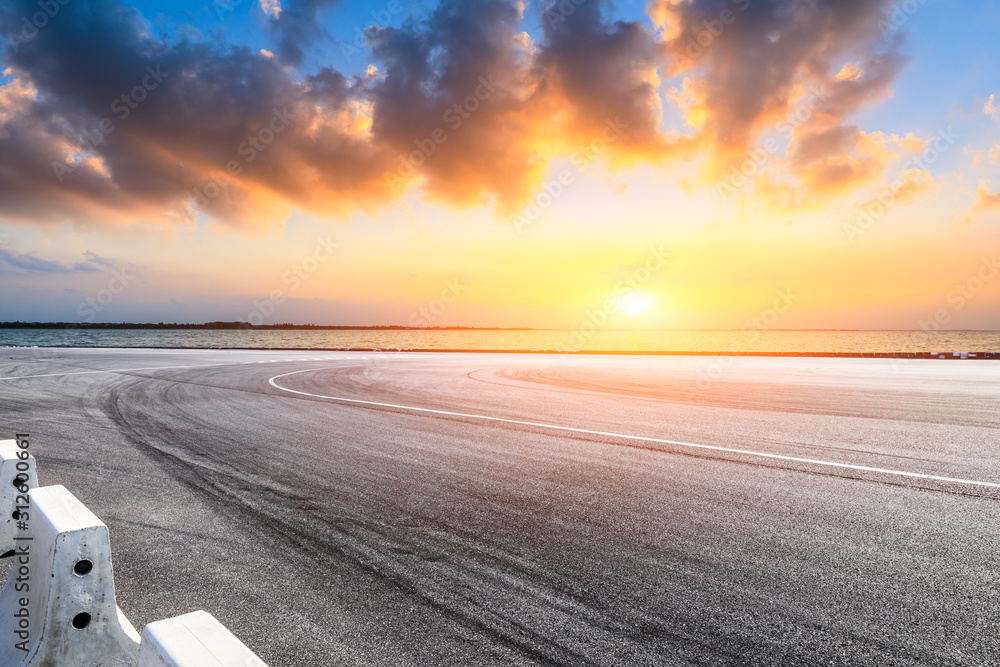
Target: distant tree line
x,y
233,325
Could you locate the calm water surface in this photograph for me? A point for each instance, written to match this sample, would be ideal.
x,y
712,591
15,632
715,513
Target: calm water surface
x,y
556,340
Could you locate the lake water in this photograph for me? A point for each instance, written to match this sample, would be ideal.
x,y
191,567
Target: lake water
x,y
554,340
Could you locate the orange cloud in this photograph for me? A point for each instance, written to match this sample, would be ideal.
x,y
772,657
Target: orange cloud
x,y
462,105
913,144
593,71
990,108
908,186
755,70
985,200
825,163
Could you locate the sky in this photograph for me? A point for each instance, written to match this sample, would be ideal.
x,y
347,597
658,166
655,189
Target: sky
x,y
676,164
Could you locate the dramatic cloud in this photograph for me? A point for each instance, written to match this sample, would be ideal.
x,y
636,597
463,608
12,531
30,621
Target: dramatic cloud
x,y
818,145
598,71
296,25
455,103
756,66
103,124
851,160
840,160
115,126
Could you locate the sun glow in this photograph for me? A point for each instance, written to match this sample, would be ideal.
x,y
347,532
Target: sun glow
x,y
636,304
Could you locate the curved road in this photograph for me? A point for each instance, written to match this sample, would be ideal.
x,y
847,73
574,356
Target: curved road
x,y
476,509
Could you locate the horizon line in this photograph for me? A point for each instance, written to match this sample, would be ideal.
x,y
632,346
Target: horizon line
x,y
238,325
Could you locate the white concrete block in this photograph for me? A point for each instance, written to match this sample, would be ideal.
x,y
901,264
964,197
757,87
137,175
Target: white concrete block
x,y
197,639
13,467
58,608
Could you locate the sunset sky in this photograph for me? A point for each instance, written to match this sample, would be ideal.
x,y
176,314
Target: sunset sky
x,y
679,164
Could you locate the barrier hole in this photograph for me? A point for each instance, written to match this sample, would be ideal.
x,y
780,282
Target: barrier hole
x,y
81,620
16,515
19,480
82,567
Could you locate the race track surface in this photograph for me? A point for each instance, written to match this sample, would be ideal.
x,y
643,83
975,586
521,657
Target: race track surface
x,y
476,509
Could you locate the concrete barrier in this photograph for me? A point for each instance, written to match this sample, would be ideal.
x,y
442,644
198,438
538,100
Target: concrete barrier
x,y
193,640
58,608
18,475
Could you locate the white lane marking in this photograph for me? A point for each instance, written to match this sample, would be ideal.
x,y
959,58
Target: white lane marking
x,y
730,450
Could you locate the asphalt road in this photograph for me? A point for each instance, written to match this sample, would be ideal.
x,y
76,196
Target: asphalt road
x,y
475,509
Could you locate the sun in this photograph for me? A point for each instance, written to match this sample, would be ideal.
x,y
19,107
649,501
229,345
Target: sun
x,y
636,304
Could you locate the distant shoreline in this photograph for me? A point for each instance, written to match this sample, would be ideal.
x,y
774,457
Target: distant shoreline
x,y
233,326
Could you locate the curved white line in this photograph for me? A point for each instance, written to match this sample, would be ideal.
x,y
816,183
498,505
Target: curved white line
x,y
746,452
